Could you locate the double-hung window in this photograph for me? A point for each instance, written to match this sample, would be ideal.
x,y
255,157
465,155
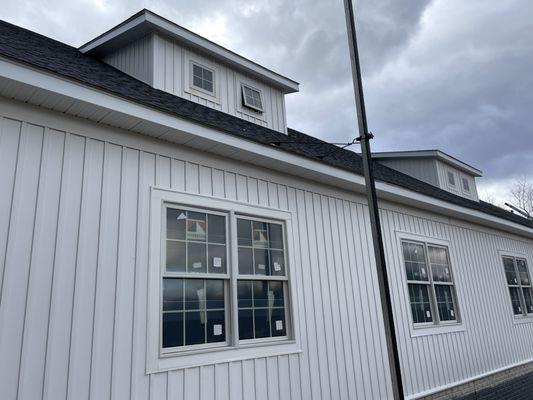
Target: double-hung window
x,y
519,283
208,299
430,283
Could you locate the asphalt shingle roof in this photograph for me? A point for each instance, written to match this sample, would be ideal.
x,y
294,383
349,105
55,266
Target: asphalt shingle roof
x,y
42,52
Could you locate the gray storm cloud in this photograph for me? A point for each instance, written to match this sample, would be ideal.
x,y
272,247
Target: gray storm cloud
x,y
449,74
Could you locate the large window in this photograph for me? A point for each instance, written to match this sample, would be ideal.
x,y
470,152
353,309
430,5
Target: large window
x,y
519,283
430,283
199,281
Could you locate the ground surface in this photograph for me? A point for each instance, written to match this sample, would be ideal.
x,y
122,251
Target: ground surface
x,y
520,388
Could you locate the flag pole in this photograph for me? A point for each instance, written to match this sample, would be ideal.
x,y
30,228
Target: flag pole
x,y
364,138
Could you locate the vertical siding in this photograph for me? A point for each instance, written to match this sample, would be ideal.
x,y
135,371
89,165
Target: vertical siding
x,y
135,59
74,252
423,169
171,73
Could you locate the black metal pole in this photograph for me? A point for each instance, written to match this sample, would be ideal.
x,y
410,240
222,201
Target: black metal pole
x,y
364,138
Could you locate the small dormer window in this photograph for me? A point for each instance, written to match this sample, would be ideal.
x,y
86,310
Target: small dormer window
x,y
451,178
251,98
203,78
466,185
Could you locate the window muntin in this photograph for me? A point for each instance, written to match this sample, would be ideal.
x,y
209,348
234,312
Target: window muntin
x,y
430,283
251,98
262,280
196,305
519,284
203,78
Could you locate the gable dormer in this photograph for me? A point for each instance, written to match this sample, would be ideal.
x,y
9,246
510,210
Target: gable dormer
x,y
176,60
436,168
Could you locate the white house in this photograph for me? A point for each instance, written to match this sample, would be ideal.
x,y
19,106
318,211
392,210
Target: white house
x,y
164,235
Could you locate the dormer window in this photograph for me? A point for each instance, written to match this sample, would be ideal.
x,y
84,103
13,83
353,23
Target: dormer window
x,y
251,98
451,178
203,78
466,185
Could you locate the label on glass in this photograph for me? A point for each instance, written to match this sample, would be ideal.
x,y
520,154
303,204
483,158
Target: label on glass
x,y
197,265
277,266
217,330
279,325
452,313
217,262
428,314
261,266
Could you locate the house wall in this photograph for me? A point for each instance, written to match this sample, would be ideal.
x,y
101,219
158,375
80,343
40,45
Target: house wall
x,y
74,223
135,59
422,169
172,63
442,170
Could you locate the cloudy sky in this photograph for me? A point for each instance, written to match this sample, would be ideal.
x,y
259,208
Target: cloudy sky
x,y
449,74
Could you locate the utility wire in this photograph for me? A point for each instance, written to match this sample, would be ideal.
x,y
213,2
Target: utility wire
x,y
343,145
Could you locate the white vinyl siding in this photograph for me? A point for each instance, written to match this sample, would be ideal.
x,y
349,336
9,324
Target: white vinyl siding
x,y
74,261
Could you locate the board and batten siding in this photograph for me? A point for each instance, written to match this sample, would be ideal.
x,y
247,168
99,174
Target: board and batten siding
x,y
74,226
443,168
420,168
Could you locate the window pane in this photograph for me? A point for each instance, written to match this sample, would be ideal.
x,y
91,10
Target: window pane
x,y
246,324
260,234
522,270
172,329
172,294
216,331
217,258
244,232
176,258
261,322
194,294
438,259
194,327
528,297
197,70
275,294
217,229
197,81
244,293
260,293
261,264
277,263
515,300
275,235
415,261
246,261
176,223
278,322
510,271
420,305
207,75
208,86
451,178
445,302
197,257
214,293
196,226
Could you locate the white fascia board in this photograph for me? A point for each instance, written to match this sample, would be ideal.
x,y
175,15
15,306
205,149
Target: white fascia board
x,y
148,21
308,167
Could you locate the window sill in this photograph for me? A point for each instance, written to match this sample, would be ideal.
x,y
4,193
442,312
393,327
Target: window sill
x,y
522,320
417,331
177,360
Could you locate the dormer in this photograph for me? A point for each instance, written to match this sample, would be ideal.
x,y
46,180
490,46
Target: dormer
x,y
436,168
171,58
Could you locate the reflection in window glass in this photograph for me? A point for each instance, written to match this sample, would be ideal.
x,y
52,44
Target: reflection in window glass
x,y
519,283
202,78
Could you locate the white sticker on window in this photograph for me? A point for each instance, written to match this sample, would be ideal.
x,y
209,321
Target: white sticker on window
x,y
428,313
279,325
277,266
452,313
423,270
181,216
197,265
261,266
519,309
217,262
217,330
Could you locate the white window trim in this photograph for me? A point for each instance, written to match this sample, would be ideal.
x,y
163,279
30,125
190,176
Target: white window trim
x,y
517,319
156,360
213,96
417,330
251,106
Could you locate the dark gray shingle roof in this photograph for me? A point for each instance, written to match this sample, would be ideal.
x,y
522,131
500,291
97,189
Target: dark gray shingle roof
x,y
39,51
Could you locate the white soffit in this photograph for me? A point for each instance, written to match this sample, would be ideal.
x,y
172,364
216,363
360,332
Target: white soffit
x,y
145,22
